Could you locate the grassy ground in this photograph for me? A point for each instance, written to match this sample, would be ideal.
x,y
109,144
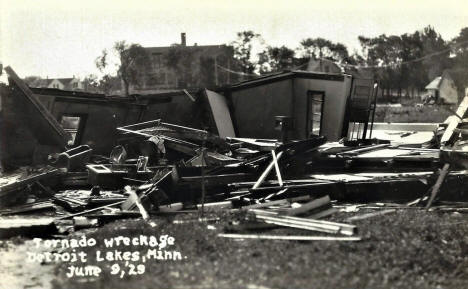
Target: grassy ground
x,y
433,113
406,249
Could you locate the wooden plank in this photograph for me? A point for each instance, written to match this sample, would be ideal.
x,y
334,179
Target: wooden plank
x,y
259,144
54,134
134,199
370,215
314,204
274,217
267,171
275,203
221,114
454,121
22,182
108,206
435,189
289,238
30,226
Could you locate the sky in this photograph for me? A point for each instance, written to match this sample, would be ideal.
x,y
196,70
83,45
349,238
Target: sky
x,y
56,38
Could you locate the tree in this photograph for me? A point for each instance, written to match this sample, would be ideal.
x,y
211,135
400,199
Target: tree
x,y
91,83
275,59
323,48
32,80
133,63
459,70
243,50
406,61
105,84
437,52
383,56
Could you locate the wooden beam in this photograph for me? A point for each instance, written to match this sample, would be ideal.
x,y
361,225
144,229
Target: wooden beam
x,y
58,135
435,189
454,121
289,238
370,215
267,171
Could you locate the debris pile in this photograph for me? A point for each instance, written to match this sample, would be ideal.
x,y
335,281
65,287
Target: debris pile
x,y
159,168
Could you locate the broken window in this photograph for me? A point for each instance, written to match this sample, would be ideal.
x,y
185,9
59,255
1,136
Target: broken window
x,y
315,101
72,125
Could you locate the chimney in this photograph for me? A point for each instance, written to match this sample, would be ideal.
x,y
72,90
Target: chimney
x,y
183,40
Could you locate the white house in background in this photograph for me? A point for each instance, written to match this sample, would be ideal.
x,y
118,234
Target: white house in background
x,y
66,83
59,83
442,88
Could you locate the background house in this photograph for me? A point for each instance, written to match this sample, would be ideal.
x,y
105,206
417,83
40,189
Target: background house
x,y
182,66
442,88
72,83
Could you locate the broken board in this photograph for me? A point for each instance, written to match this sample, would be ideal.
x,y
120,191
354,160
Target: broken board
x,y
220,113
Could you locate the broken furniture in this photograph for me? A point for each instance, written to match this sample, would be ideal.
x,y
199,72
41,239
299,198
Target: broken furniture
x,y
73,159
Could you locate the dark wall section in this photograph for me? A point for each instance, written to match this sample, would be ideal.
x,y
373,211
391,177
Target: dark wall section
x,y
255,108
256,103
18,143
99,117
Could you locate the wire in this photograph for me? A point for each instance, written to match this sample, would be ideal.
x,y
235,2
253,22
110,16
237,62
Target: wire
x,y
412,60
236,72
257,75
357,66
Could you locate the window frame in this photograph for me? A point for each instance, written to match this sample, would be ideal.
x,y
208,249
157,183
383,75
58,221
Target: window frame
x,y
309,126
79,129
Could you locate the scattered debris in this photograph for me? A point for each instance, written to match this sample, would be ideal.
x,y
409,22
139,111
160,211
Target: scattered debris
x,y
158,168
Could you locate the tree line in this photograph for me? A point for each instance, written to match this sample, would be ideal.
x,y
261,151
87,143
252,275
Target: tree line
x,y
400,63
406,62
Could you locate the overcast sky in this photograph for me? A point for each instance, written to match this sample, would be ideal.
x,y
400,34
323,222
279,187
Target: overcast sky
x,y
58,38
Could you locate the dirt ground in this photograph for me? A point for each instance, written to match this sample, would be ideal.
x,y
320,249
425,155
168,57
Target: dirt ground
x,y
410,248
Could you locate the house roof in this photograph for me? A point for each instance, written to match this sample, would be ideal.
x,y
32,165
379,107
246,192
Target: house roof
x,y
46,82
65,81
287,75
206,49
133,99
434,84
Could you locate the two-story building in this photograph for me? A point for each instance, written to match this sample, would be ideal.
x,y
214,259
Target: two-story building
x,y
192,66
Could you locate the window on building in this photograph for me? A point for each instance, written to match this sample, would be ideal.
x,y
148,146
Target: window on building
x,y
156,61
315,101
73,124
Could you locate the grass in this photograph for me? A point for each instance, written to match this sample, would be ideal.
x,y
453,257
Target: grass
x,y
411,114
407,249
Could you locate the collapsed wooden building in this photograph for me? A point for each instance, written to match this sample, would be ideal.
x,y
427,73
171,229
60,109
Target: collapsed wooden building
x,y
283,138
328,105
